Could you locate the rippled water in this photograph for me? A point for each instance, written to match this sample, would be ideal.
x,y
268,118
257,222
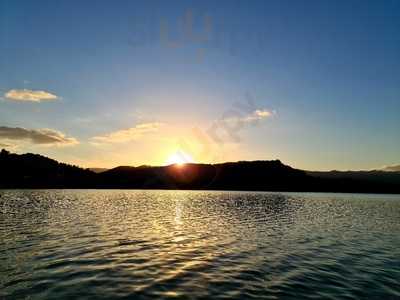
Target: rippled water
x,y
66,244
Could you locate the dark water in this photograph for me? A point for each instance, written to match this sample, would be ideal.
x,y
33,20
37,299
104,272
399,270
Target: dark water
x,y
198,245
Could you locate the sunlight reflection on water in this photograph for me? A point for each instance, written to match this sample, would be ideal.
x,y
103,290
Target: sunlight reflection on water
x,y
63,244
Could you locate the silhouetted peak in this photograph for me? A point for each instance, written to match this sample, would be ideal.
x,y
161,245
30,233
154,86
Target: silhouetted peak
x,y
4,152
37,171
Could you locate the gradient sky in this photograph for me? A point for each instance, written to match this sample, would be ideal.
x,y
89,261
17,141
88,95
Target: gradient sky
x,y
315,84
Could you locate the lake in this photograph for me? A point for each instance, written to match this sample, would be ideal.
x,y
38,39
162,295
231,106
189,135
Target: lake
x,y
149,244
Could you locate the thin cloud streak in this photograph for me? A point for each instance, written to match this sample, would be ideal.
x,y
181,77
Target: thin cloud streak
x,y
126,135
251,118
257,115
26,95
393,168
45,136
4,145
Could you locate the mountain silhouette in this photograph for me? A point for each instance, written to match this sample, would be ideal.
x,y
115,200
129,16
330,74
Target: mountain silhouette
x,y
36,171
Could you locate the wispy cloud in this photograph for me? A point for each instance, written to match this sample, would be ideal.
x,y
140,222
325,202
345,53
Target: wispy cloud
x,y
25,95
257,115
393,168
4,145
250,118
37,136
126,135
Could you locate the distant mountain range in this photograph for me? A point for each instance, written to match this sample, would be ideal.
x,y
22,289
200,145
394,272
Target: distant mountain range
x,y
36,171
98,170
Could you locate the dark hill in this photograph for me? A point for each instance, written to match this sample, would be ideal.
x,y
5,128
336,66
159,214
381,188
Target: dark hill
x,y
256,175
36,171
364,181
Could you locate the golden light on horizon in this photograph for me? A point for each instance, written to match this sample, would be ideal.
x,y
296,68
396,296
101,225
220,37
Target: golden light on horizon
x,y
179,158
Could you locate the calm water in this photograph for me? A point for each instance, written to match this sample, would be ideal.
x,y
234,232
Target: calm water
x,y
65,244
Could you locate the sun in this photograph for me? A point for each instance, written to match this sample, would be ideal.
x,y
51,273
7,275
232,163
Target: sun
x,y
179,158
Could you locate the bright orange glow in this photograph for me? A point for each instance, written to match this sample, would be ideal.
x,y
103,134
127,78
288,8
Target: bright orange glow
x,y
179,158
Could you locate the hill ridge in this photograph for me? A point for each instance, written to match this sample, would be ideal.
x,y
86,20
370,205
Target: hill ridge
x,y
36,171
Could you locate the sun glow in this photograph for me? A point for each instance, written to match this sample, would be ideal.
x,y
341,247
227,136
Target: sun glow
x,y
179,158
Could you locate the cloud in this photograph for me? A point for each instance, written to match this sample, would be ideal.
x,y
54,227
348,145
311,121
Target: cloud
x,y
251,118
37,136
257,115
8,146
4,145
30,95
126,135
393,168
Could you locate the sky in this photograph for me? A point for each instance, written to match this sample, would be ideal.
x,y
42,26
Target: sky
x,y
315,84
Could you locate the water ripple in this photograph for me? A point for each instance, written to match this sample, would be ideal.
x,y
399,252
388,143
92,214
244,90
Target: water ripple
x,y
65,244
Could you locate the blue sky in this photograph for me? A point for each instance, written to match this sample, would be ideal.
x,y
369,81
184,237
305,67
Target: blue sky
x,y
101,83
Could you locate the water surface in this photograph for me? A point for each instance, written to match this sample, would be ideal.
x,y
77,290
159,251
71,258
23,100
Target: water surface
x,y
96,244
